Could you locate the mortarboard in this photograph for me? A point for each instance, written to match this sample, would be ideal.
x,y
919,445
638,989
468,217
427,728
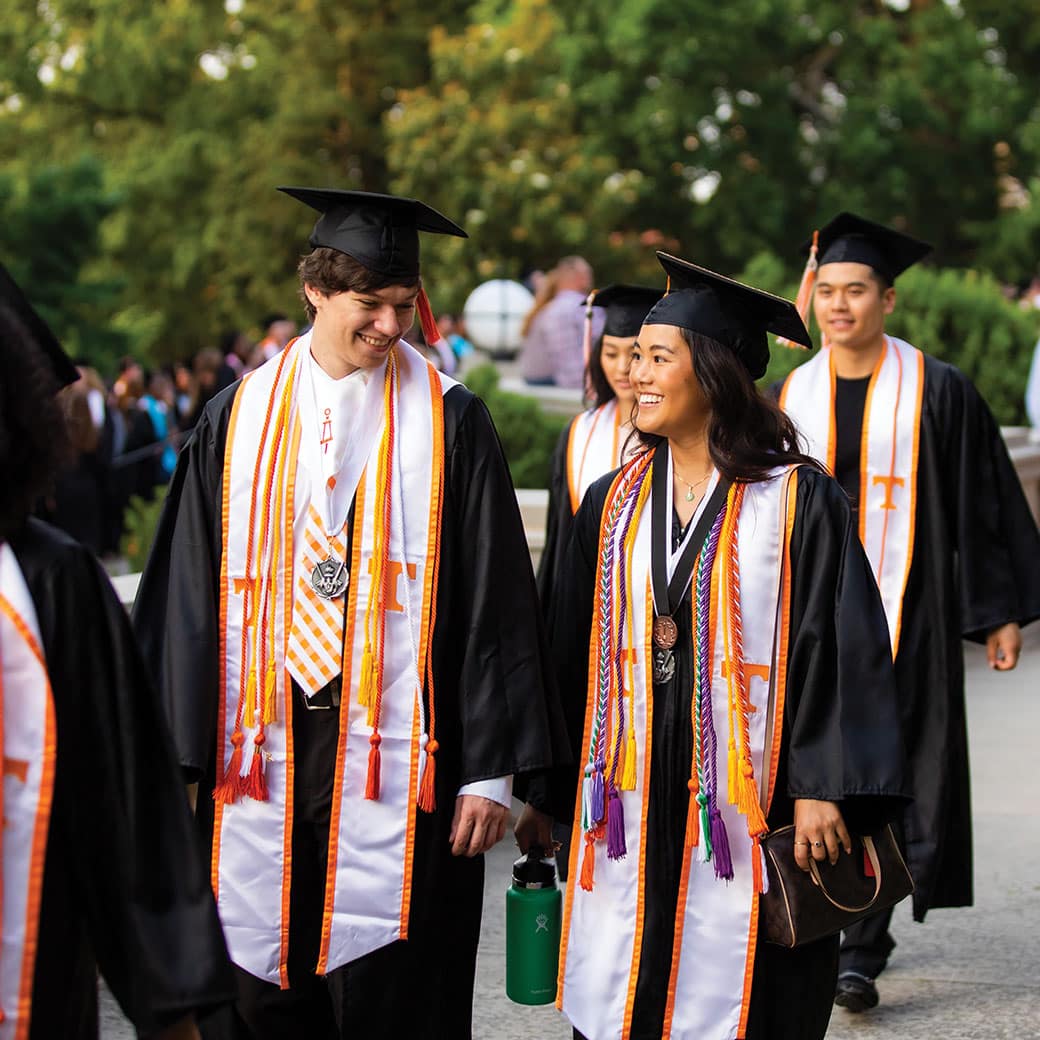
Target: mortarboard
x,y
851,239
734,314
626,306
14,304
381,232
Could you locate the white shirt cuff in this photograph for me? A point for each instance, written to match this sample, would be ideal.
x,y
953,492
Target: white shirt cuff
x,y
498,789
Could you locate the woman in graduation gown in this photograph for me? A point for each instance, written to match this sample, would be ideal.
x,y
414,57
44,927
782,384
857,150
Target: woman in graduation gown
x,y
593,442
724,664
101,869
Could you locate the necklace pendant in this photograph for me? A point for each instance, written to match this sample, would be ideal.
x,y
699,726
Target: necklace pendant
x,y
689,495
330,577
665,632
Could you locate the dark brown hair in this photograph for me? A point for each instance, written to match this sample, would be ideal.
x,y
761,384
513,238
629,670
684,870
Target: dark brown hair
x,y
748,433
330,272
33,442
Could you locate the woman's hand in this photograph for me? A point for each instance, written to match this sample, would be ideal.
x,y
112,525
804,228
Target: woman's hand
x,y
1003,645
533,828
820,831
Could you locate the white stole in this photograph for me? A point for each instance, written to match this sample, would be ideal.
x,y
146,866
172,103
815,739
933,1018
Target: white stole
x,y
368,883
716,927
29,747
593,448
888,458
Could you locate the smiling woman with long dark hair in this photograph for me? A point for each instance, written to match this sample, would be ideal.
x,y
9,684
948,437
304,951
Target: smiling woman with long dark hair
x,y
723,658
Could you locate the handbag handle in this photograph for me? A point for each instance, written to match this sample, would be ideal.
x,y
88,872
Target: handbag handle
x,y
868,846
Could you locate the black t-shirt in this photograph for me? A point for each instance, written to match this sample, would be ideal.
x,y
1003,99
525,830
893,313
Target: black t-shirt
x,y
850,397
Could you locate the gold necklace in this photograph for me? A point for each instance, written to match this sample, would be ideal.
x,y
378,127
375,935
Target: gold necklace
x,y
692,487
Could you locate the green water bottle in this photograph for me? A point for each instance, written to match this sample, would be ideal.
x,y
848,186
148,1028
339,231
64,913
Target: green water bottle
x,y
533,905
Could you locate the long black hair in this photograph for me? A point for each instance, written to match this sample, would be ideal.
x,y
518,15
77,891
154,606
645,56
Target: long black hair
x,y
748,433
596,378
33,438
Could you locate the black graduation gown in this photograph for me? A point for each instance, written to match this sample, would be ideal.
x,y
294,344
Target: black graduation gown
x,y
125,888
497,711
841,739
558,520
976,566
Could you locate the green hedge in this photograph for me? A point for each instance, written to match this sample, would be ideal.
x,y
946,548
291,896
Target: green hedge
x,y
528,435
959,316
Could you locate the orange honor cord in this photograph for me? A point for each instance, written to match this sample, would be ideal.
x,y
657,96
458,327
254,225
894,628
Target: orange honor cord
x,y
381,578
229,788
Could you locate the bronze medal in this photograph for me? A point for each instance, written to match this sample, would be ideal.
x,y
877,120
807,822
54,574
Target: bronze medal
x,y
666,632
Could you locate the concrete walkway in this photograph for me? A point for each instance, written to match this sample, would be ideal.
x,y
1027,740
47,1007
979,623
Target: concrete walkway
x,y
964,975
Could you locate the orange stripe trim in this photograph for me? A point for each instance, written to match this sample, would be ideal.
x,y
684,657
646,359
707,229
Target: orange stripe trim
x,y
225,513
409,837
832,431
287,704
577,835
784,640
37,860
344,723
637,945
915,456
864,446
749,961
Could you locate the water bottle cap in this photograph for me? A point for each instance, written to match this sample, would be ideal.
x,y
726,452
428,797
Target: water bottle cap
x,y
535,870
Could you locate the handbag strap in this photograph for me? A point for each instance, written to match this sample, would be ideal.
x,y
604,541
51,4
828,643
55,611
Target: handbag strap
x,y
875,862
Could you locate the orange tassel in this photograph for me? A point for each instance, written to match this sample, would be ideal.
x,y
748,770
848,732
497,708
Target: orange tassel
x,y
805,291
427,321
372,783
270,694
255,785
228,789
757,876
251,697
693,816
588,863
427,791
748,802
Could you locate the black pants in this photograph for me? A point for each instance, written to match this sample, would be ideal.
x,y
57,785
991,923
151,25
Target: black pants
x,y
866,946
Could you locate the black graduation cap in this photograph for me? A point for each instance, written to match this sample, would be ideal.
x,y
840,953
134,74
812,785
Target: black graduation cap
x,y
851,239
380,232
19,319
626,306
730,312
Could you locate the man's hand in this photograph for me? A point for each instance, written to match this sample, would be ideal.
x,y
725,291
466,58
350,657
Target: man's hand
x,y
819,831
479,824
534,828
1003,645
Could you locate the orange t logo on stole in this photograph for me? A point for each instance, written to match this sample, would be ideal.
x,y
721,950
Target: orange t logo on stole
x,y
889,483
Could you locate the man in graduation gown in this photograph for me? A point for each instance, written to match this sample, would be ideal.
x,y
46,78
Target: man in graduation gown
x,y
101,869
947,530
341,612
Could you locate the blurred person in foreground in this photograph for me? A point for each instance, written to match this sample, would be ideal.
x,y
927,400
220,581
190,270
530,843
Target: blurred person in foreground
x,y
723,663
343,552
950,539
552,353
100,866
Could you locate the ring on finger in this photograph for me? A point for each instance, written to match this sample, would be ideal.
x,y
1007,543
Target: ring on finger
x,y
817,844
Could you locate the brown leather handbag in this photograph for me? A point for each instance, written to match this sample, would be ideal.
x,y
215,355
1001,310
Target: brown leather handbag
x,y
801,907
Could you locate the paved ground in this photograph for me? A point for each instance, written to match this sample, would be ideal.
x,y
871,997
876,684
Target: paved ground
x,y
965,975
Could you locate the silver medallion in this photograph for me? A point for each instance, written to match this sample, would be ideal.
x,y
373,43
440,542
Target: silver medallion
x,y
329,578
664,665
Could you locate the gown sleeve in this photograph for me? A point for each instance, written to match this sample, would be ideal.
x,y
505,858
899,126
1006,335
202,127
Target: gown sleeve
x,y
122,829
842,735
558,521
996,537
509,711
176,613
